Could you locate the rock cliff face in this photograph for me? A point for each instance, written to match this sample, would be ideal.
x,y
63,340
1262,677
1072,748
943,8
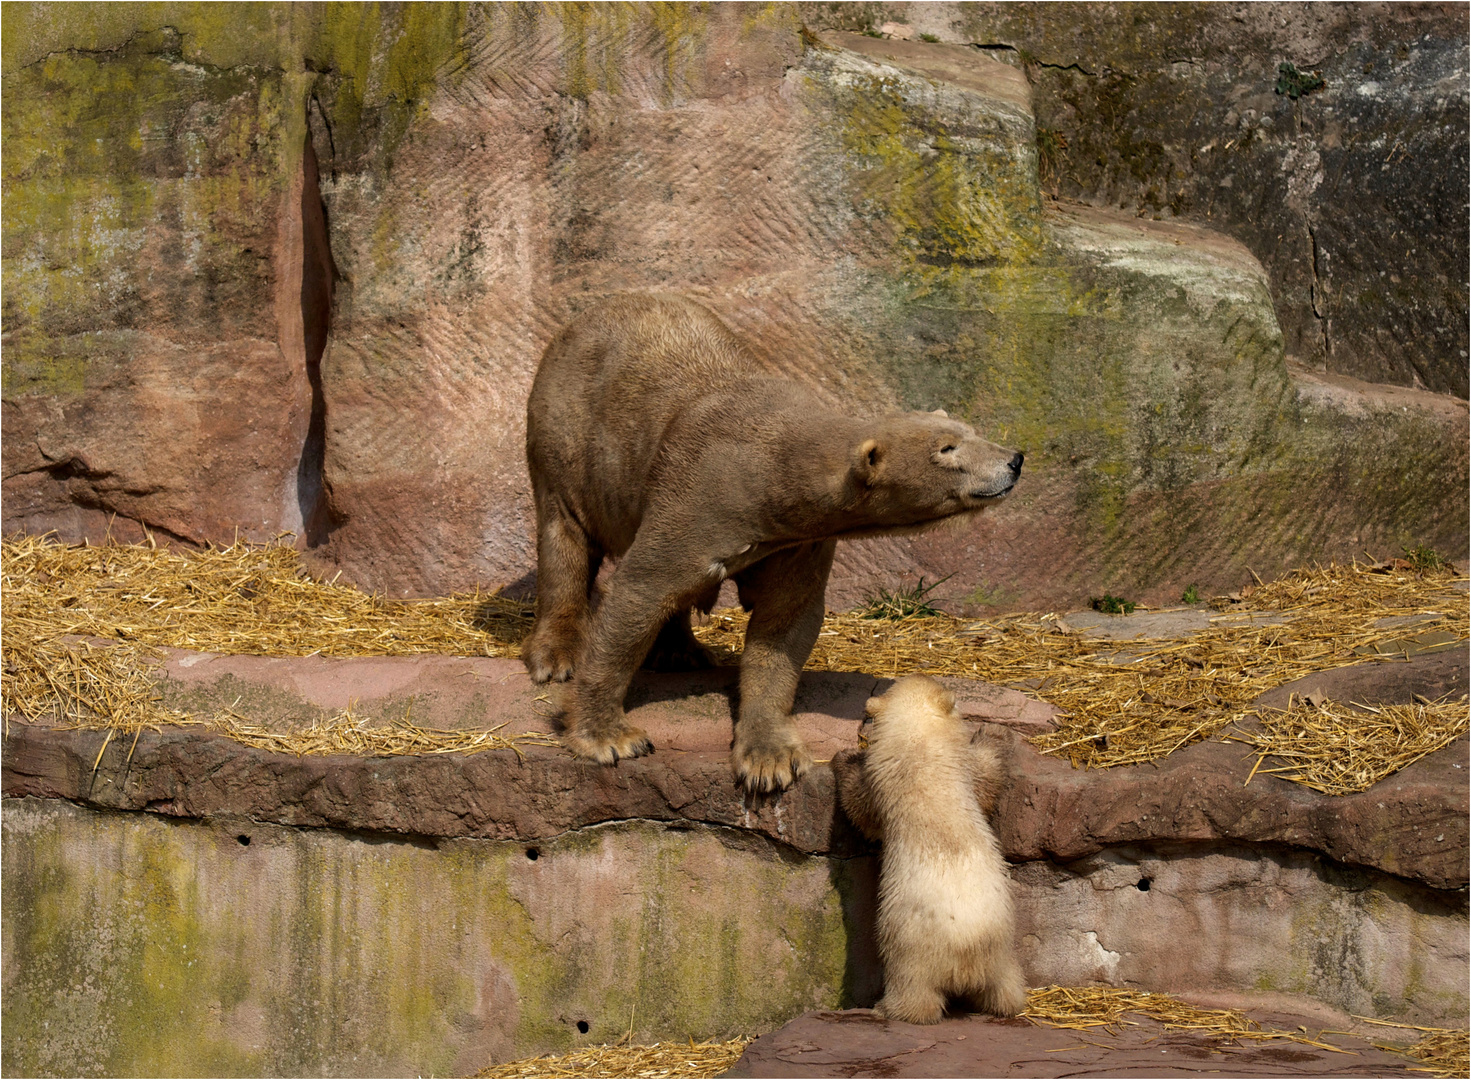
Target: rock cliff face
x,y
297,275
1346,179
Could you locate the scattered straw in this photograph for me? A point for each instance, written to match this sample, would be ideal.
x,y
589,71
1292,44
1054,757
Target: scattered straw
x,y
345,733
1085,1008
1446,1052
665,1059
83,626
1128,702
1120,702
1102,1009
1339,749
244,598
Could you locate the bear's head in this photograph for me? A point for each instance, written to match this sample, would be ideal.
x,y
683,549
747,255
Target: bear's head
x,y
916,469
918,703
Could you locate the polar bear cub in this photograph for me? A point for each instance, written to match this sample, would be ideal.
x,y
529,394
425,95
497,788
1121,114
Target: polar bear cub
x,y
945,924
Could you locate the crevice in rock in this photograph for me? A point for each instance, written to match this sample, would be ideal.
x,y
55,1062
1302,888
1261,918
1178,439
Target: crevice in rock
x,y
318,275
1030,59
1319,306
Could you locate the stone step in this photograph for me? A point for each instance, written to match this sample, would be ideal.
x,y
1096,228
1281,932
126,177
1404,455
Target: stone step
x,y
858,1042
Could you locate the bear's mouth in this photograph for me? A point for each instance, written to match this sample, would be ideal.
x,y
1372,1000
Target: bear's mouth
x,y
982,494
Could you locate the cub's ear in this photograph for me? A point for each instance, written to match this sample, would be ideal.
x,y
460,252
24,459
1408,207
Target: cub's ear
x,y
867,459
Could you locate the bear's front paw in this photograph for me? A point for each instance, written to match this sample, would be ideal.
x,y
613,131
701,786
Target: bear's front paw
x,y
608,745
770,765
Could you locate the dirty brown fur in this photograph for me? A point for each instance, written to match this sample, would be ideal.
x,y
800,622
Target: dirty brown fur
x,y
945,926
653,437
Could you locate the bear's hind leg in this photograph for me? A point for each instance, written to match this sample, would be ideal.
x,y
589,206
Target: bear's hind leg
x,y
913,1003
1003,991
566,563
676,648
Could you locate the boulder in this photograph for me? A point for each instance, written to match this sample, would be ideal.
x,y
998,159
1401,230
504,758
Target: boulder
x,y
520,899
1340,174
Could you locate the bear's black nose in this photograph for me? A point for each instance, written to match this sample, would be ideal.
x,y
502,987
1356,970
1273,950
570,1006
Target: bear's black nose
x,y
1016,463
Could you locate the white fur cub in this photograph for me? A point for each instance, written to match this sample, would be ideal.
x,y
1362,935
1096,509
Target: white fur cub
x,y
945,925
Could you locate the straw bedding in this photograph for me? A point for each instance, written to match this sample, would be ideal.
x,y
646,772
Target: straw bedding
x,y
1095,1009
665,1059
82,622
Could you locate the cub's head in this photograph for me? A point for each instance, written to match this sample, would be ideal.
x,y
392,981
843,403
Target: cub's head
x,y
916,469
914,704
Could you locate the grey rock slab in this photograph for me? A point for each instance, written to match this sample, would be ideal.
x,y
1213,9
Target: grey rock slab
x,y
858,1042
1382,682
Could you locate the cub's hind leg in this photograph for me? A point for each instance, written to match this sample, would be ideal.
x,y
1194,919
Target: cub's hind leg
x,y
913,1000
567,562
1001,991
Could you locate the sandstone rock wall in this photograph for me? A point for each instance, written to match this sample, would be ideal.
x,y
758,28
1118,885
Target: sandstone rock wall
x,y
290,268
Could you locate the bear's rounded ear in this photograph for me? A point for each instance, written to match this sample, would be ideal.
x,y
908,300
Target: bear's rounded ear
x,y
940,412
866,459
871,707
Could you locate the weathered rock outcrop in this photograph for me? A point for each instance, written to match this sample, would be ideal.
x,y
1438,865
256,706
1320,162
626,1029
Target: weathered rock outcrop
x,y
869,213
1343,181
389,914
1412,825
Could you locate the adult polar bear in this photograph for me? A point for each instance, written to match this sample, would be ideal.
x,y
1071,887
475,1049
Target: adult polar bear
x,y
654,437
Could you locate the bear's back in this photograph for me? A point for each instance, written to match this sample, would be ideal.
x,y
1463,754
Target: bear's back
x,y
606,390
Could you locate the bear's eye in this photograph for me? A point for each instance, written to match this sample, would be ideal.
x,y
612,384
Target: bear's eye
x,y
947,449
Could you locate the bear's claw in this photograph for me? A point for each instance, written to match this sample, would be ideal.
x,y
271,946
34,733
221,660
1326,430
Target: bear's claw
x,y
547,663
607,748
767,769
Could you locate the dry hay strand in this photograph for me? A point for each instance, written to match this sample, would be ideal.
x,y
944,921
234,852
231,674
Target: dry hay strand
x,y
1339,749
664,1059
1084,1008
1445,1051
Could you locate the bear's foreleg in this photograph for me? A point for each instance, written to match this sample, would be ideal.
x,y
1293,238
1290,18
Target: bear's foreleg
x,y
566,563
785,595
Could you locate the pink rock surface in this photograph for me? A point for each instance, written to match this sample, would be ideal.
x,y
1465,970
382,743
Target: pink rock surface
x,y
858,1042
1413,824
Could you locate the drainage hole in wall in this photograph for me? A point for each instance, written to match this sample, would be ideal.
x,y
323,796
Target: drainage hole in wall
x,y
582,1027
1143,885
243,840
533,853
